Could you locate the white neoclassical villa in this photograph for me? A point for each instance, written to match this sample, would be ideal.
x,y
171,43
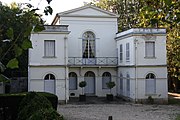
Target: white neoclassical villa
x,y
82,44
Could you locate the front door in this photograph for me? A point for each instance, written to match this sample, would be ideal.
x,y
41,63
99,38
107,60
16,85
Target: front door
x,y
90,80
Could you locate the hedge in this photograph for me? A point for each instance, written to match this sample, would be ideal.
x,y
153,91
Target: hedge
x,y
9,104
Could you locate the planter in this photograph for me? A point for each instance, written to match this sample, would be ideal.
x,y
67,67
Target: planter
x,y
109,97
82,98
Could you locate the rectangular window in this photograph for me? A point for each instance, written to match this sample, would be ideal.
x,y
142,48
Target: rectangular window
x,y
149,49
127,53
121,53
49,48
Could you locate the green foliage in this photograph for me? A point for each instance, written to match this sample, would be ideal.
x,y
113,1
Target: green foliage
x,y
46,114
82,84
16,24
13,63
150,100
110,85
126,9
178,117
36,106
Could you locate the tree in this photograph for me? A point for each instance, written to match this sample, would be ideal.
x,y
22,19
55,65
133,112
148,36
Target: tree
x,y
16,24
127,10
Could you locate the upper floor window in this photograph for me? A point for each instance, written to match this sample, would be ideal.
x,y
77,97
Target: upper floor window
x,y
49,48
127,52
121,53
106,77
150,49
88,45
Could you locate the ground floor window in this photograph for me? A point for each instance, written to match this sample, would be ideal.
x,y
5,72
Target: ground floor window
x,y
49,83
72,81
150,83
106,77
121,82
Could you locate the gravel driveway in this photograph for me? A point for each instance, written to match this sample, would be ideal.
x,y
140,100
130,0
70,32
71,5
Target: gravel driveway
x,y
126,111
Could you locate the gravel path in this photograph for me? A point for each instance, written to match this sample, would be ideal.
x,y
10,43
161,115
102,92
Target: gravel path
x,y
127,111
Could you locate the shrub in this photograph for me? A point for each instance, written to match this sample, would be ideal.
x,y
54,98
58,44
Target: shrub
x,y
31,104
110,85
51,97
46,114
82,84
9,103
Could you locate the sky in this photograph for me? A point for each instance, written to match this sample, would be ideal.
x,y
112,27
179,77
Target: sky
x,y
57,5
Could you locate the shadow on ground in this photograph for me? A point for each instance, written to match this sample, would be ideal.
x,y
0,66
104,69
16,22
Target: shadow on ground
x,y
96,100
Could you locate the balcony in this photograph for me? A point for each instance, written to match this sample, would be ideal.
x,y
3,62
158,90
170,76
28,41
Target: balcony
x,y
99,61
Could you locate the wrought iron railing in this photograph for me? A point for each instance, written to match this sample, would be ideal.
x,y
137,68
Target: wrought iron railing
x,y
92,61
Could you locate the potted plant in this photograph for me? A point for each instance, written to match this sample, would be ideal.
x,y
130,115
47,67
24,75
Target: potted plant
x,y
82,97
110,85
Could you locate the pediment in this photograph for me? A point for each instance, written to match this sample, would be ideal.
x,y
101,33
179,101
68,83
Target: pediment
x,y
88,10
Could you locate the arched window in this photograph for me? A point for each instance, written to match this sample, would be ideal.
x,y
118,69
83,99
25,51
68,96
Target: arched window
x,y
150,83
121,82
106,77
72,81
88,45
49,77
49,83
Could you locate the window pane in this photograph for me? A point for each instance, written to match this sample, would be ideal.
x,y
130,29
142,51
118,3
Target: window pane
x,y
150,83
128,82
49,48
72,81
121,82
106,77
88,45
150,49
127,52
121,53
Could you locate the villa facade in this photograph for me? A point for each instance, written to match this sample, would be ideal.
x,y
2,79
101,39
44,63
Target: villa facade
x,y
83,44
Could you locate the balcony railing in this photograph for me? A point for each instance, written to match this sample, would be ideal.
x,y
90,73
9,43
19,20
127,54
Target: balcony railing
x,y
111,61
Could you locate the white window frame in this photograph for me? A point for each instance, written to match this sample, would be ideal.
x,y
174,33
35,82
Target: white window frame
x,y
148,53
127,52
88,45
48,51
74,85
121,53
150,84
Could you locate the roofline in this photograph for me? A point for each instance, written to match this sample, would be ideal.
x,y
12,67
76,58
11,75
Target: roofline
x,y
86,6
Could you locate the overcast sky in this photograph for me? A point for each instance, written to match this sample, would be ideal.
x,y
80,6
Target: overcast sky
x,y
57,5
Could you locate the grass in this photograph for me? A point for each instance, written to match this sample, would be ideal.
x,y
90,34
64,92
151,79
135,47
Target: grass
x,y
172,101
178,117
